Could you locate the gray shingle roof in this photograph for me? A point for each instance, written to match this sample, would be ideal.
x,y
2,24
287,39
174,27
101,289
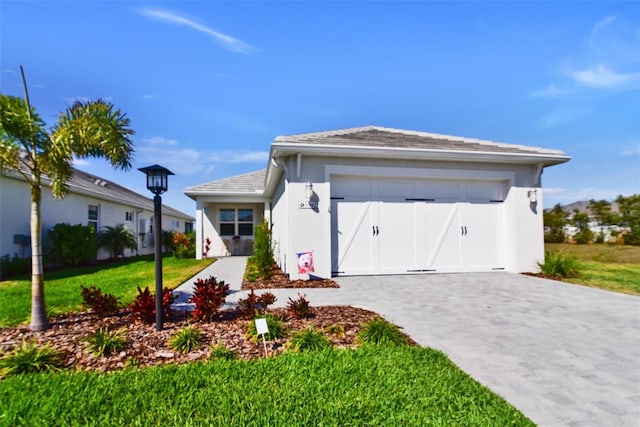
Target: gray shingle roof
x,y
380,137
249,183
102,188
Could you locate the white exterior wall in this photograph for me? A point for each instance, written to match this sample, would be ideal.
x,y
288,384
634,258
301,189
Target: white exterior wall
x,y
15,201
280,224
309,230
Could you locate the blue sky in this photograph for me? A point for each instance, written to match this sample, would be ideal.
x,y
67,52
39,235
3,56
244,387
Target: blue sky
x,y
208,85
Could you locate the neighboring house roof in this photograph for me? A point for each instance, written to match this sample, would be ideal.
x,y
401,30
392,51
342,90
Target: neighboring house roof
x,y
94,186
385,140
251,183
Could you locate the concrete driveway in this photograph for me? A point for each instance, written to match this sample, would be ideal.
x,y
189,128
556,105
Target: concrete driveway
x,y
565,355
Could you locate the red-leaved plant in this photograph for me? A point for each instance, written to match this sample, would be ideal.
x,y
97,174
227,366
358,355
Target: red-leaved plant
x,y
101,304
144,306
208,297
254,304
299,308
207,248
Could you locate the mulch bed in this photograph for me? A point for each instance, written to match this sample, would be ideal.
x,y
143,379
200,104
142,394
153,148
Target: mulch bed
x,y
280,280
148,347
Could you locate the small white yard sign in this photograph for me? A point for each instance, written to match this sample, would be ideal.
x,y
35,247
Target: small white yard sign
x,y
262,328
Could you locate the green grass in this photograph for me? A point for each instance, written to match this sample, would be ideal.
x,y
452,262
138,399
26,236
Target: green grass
x,y
610,267
366,387
62,288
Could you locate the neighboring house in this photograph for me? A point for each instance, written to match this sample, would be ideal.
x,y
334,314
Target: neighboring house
x,y
91,201
374,200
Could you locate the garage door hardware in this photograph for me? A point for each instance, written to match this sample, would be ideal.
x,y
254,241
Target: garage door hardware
x,y
421,271
420,200
375,230
464,230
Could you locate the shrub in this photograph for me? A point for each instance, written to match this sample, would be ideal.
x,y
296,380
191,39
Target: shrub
x,y
13,266
208,296
381,332
167,240
220,352
277,329
251,274
116,239
184,245
335,330
101,304
103,342
186,339
299,308
28,358
144,306
558,264
254,305
308,340
263,251
71,244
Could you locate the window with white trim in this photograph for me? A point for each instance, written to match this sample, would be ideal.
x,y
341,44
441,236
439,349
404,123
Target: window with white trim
x,y
236,222
94,217
128,216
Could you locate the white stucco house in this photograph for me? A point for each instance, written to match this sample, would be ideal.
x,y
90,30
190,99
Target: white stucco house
x,y
91,201
374,200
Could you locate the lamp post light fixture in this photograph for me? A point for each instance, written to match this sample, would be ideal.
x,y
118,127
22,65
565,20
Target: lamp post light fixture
x,y
157,183
308,190
533,196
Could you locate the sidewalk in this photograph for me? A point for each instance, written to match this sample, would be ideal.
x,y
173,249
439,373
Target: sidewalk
x,y
227,269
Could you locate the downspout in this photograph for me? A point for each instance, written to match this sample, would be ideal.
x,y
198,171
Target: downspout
x,y
283,165
537,174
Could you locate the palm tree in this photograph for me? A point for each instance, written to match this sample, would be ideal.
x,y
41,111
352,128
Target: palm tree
x,y
86,129
117,239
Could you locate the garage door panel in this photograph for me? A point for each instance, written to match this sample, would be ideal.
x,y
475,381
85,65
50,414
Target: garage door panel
x,y
353,232
482,248
443,236
396,235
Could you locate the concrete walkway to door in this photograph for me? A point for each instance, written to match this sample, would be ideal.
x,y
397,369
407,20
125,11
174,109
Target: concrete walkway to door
x,y
565,355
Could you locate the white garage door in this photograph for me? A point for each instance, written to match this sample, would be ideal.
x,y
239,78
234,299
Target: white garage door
x,y
395,226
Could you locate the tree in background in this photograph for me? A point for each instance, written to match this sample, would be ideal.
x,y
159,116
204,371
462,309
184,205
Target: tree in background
x,y
554,221
117,239
581,221
86,129
630,217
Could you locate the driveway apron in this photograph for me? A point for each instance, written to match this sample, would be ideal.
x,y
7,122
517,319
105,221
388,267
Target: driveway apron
x,y
565,355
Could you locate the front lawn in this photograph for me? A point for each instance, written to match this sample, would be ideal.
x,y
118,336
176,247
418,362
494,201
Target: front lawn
x,y
369,386
62,288
610,267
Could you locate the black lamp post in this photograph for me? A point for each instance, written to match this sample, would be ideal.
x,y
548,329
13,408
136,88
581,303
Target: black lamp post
x,y
157,183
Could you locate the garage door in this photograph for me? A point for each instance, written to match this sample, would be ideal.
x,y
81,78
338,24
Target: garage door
x,y
396,226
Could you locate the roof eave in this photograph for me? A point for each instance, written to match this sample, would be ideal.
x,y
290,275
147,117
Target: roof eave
x,y
280,149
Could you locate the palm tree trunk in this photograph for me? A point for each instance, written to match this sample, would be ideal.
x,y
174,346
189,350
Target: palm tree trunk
x,y
39,319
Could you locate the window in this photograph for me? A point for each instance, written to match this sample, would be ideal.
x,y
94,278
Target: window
x,y
94,217
175,224
188,227
128,216
236,222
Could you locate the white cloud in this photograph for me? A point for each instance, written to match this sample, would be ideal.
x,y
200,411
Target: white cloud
x,y
607,62
553,190
249,156
189,161
160,140
226,41
602,77
80,162
562,115
146,98
632,151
